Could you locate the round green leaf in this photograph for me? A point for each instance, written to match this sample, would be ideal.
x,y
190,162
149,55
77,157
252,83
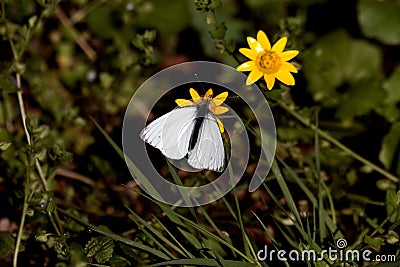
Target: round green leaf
x,y
360,99
380,20
392,86
389,150
7,84
337,59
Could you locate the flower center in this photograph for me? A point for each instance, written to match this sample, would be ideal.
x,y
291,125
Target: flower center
x,y
268,62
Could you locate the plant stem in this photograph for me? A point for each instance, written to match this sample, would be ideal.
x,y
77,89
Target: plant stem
x,y
334,141
66,22
19,235
23,216
27,134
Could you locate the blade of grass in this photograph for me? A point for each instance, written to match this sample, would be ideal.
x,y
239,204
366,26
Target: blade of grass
x,y
274,242
248,248
215,227
321,218
237,217
213,236
331,222
178,181
154,234
281,181
211,222
181,245
286,193
301,230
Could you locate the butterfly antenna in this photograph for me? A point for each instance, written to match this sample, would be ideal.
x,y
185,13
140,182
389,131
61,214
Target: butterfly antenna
x,y
201,84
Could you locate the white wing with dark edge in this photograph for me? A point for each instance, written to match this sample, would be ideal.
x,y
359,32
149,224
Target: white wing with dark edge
x,y
171,132
208,152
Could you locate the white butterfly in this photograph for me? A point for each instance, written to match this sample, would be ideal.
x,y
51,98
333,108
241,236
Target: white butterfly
x,y
191,130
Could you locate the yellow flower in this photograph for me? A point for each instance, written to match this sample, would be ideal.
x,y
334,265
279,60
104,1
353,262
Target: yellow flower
x,y
215,103
267,61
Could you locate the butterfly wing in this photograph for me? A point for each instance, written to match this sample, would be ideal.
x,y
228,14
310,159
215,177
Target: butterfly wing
x,y
208,152
171,132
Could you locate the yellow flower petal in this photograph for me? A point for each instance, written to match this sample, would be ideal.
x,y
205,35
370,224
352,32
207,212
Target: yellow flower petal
x,y
280,45
183,102
253,77
251,54
288,55
263,40
195,96
209,93
285,76
254,45
270,80
219,99
220,110
289,67
247,66
215,103
252,42
220,125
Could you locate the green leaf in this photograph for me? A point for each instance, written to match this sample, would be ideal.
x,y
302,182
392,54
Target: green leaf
x,y
219,31
374,242
215,4
57,153
77,257
149,36
101,21
7,84
390,153
42,3
392,86
380,20
360,99
385,184
337,59
392,237
101,248
49,11
4,145
119,261
7,244
106,80
163,16
392,204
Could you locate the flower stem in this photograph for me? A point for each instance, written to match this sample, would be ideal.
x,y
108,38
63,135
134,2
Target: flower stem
x,y
19,235
27,134
23,216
